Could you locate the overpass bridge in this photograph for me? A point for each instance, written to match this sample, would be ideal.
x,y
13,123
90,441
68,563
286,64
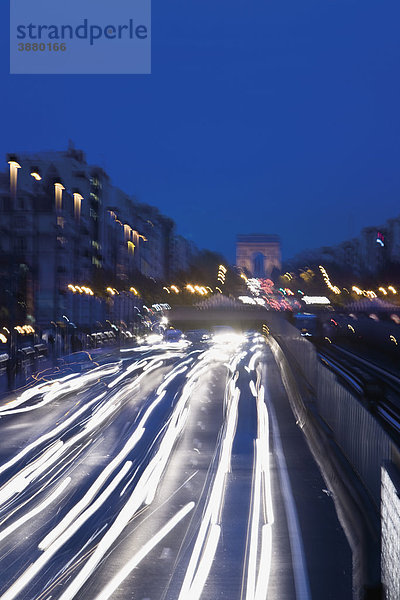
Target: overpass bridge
x,y
224,312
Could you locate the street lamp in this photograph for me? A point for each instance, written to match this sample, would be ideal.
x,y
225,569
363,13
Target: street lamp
x,y
77,205
14,166
35,173
58,190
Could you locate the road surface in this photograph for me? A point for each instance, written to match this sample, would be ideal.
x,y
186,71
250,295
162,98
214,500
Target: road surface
x,y
165,471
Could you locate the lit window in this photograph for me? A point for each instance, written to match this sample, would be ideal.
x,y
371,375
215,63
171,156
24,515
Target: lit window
x,y
96,262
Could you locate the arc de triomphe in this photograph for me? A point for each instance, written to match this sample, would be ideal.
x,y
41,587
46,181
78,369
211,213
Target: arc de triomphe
x,y
258,254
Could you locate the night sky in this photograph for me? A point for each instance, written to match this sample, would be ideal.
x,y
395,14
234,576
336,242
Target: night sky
x,y
273,116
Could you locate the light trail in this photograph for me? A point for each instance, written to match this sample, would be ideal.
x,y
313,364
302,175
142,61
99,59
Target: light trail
x,y
35,568
142,494
140,364
161,346
170,377
207,539
203,568
18,483
143,552
34,391
38,509
254,529
253,360
104,407
60,387
93,490
85,501
260,556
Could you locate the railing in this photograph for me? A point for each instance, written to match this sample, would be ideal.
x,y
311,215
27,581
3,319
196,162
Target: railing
x,y
358,434
369,449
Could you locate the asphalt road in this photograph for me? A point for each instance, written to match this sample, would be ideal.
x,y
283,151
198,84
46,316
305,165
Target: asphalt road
x,y
168,472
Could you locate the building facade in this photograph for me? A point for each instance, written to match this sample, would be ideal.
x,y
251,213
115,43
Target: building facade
x,y
68,237
374,251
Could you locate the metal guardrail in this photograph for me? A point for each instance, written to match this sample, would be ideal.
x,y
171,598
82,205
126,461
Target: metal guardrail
x,y
378,388
356,430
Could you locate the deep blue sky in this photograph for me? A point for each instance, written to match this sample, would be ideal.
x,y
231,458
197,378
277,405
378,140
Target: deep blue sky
x,y
275,116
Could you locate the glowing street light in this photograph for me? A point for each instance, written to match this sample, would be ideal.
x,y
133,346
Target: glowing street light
x,y
221,274
327,280
58,195
88,291
127,231
357,290
14,166
77,205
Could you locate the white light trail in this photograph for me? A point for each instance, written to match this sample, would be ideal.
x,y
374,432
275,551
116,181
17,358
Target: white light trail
x,y
140,364
253,360
208,536
60,387
51,434
21,480
33,570
170,378
92,491
142,494
35,511
143,552
145,487
208,552
259,558
252,563
31,472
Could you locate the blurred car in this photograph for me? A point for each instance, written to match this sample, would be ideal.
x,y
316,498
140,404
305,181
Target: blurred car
x,y
173,335
197,335
307,323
